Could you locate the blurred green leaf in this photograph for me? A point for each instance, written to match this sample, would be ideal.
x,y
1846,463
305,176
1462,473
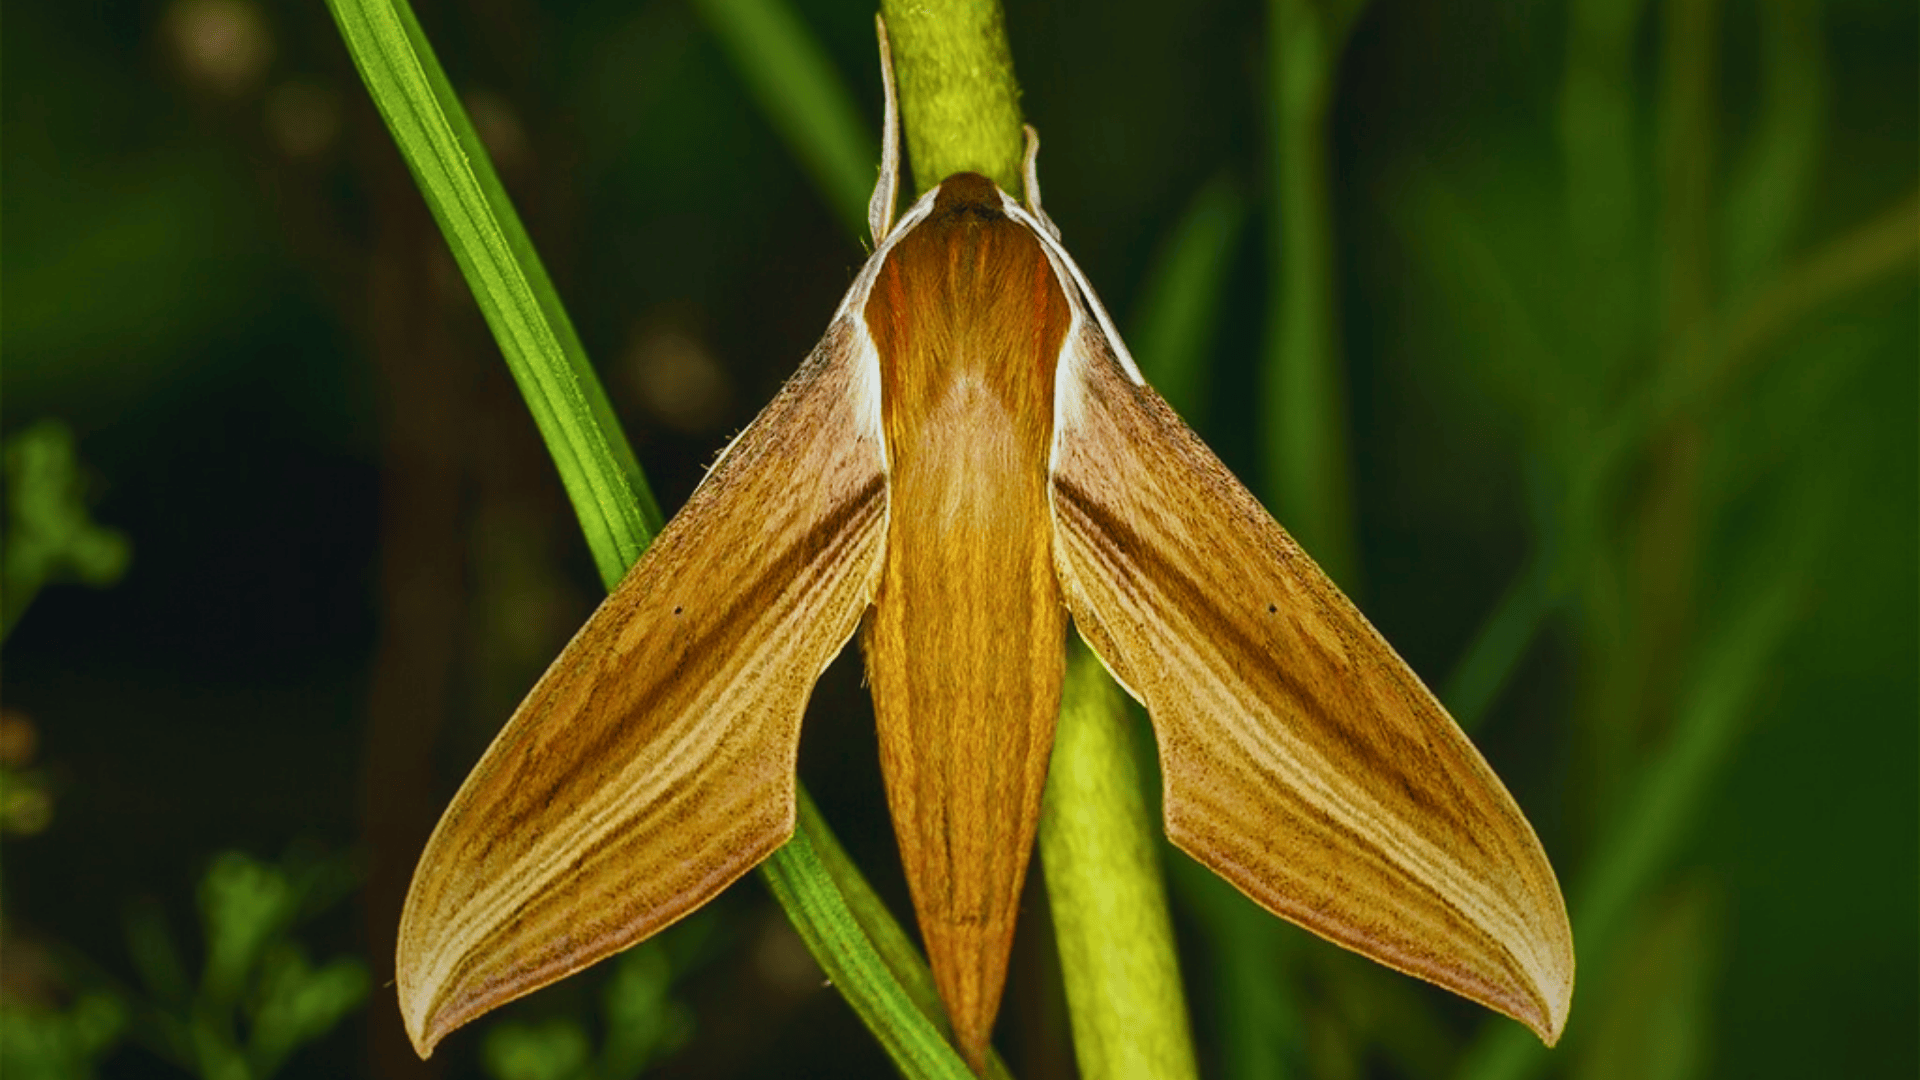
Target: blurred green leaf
x,y
297,1003
1303,375
48,535
155,957
557,1049
65,1044
1647,828
1178,315
1654,1027
244,904
1771,180
804,98
644,1023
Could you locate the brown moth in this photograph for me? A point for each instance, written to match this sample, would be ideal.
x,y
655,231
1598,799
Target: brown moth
x,y
968,458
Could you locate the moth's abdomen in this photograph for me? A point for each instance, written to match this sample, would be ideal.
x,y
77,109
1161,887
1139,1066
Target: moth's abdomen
x,y
964,646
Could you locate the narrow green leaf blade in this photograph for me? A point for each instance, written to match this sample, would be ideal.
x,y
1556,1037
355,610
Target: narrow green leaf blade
x,y
609,493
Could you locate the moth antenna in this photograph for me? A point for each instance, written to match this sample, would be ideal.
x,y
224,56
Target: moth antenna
x,y
1030,176
886,191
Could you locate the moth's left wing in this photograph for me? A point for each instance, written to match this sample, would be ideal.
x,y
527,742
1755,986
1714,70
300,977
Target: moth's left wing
x,y
654,762
1303,760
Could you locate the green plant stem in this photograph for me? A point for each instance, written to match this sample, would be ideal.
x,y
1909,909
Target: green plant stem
x,y
1107,895
959,101
608,490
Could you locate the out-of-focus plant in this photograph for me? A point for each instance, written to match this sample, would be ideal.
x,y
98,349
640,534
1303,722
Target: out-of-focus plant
x,y
48,536
642,1024
258,997
38,1040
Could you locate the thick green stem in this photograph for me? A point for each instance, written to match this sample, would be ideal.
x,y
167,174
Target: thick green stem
x,y
1108,898
959,102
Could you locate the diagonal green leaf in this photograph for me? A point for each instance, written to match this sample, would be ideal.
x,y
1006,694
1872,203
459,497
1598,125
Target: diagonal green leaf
x,y
609,492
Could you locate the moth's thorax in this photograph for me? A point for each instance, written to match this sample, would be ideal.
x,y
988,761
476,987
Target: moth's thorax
x,y
968,318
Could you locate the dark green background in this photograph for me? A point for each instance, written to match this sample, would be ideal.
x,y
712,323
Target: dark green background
x,y
351,556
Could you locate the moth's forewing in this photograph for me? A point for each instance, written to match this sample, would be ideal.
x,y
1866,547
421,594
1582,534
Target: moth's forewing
x,y
964,645
654,762
1303,760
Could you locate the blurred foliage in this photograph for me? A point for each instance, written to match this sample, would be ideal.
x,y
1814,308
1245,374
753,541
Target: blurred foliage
x,y
40,1042
47,536
641,1023
1623,310
258,997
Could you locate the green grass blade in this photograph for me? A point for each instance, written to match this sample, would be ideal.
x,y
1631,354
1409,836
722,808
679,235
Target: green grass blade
x,y
609,492
1654,822
1303,382
803,97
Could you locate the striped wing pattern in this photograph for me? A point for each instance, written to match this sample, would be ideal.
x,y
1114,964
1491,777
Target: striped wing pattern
x,y
1303,760
653,764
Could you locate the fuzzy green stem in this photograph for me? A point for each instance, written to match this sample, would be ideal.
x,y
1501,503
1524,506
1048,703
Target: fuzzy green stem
x,y
959,101
1108,898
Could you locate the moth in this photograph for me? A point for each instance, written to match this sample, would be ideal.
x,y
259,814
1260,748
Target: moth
x,y
967,461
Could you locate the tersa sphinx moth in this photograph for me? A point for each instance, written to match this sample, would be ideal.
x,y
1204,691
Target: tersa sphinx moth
x,y
967,459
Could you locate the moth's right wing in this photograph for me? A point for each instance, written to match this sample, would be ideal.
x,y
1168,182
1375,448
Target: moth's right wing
x,y
653,764
1303,761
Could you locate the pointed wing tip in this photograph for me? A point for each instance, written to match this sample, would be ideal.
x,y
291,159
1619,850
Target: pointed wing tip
x,y
1547,1020
1557,1009
425,1025
973,1050
1544,1008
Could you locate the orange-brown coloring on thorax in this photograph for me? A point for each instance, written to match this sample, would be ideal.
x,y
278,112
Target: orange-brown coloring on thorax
x,y
965,643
